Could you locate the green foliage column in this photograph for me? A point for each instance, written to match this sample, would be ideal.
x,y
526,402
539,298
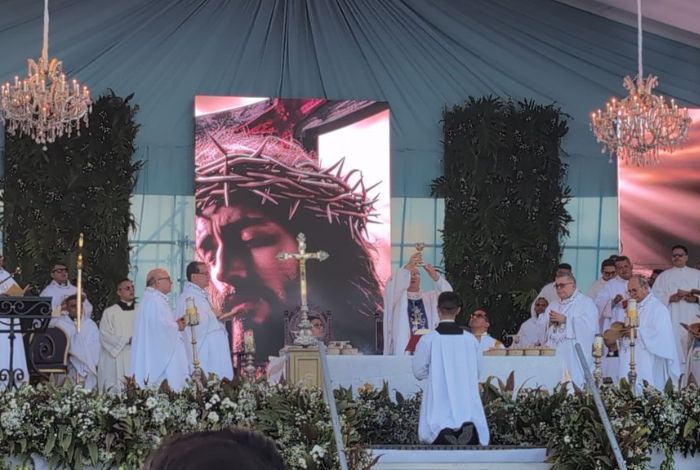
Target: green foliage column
x,y
505,195
81,183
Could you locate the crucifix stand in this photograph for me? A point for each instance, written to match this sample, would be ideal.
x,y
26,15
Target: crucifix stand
x,y
303,362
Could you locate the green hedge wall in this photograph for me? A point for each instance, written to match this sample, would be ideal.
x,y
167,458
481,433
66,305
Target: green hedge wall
x,y
505,194
81,183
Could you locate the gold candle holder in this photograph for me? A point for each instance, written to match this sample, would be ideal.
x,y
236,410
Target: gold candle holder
x,y
192,319
632,322
249,351
597,352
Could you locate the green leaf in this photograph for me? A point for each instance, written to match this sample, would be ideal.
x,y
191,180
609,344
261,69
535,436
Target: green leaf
x,y
689,427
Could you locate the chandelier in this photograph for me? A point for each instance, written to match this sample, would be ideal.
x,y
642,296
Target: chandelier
x,y
639,126
44,105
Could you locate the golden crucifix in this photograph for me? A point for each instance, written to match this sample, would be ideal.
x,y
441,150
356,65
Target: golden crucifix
x,y
303,336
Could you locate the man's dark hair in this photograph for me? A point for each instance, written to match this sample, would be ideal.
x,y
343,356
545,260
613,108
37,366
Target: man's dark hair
x,y
124,279
680,247
657,271
193,268
56,262
449,301
564,266
607,263
70,298
622,258
235,449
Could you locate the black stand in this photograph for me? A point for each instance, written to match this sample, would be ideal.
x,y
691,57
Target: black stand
x,y
23,315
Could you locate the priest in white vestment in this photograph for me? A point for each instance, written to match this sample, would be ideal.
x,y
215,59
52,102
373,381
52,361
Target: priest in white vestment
x,y
116,331
212,342
533,331
607,272
19,360
655,352
674,288
83,345
157,348
60,288
548,292
448,358
407,308
609,302
572,319
479,324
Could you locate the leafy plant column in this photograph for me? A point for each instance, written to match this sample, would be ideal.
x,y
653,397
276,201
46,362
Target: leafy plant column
x,y
83,184
505,194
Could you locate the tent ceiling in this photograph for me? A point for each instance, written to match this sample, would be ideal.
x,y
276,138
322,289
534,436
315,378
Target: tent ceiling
x,y
674,19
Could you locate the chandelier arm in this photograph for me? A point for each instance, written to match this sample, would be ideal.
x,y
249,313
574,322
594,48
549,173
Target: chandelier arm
x,y
45,47
639,40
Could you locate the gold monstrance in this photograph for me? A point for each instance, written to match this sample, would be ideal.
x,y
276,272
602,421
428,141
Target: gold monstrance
x,y
303,336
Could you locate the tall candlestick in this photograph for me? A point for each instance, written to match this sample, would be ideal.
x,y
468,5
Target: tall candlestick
x,y
192,318
249,350
597,352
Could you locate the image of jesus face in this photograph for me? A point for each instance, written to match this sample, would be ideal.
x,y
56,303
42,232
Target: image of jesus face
x,y
240,244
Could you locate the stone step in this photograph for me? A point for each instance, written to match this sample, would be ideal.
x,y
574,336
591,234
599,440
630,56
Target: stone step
x,y
459,458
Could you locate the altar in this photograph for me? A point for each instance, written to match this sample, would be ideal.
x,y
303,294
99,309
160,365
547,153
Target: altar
x,y
355,371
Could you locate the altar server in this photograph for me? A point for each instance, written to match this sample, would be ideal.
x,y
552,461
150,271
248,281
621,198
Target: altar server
x,y
656,357
451,411
572,319
673,288
116,331
212,342
157,349
532,332
83,345
407,308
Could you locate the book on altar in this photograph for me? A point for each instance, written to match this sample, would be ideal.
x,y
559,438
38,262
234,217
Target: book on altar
x,y
15,291
413,340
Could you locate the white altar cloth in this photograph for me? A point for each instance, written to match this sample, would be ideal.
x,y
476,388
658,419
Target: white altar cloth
x,y
355,371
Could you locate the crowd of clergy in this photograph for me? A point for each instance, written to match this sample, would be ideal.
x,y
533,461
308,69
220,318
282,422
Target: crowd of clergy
x,y
147,341
667,341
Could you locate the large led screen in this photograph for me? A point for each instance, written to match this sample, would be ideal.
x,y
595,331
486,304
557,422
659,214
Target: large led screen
x,y
659,205
267,169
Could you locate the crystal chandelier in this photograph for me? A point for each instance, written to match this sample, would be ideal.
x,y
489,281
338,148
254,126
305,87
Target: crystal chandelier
x,y
44,105
642,124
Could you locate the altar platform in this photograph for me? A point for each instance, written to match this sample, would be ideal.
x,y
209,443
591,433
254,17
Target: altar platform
x,y
459,457
355,371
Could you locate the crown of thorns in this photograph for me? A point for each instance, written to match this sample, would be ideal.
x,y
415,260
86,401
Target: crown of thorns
x,y
327,193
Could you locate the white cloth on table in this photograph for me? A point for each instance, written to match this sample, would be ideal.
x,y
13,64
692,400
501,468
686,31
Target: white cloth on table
x,y
397,328
58,292
157,348
83,349
667,284
116,331
580,327
655,352
450,364
213,351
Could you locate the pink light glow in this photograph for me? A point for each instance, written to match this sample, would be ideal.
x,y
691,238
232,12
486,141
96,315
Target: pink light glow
x,y
214,104
659,204
366,147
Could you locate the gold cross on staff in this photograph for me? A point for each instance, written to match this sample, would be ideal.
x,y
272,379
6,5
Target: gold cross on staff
x,y
302,256
304,336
